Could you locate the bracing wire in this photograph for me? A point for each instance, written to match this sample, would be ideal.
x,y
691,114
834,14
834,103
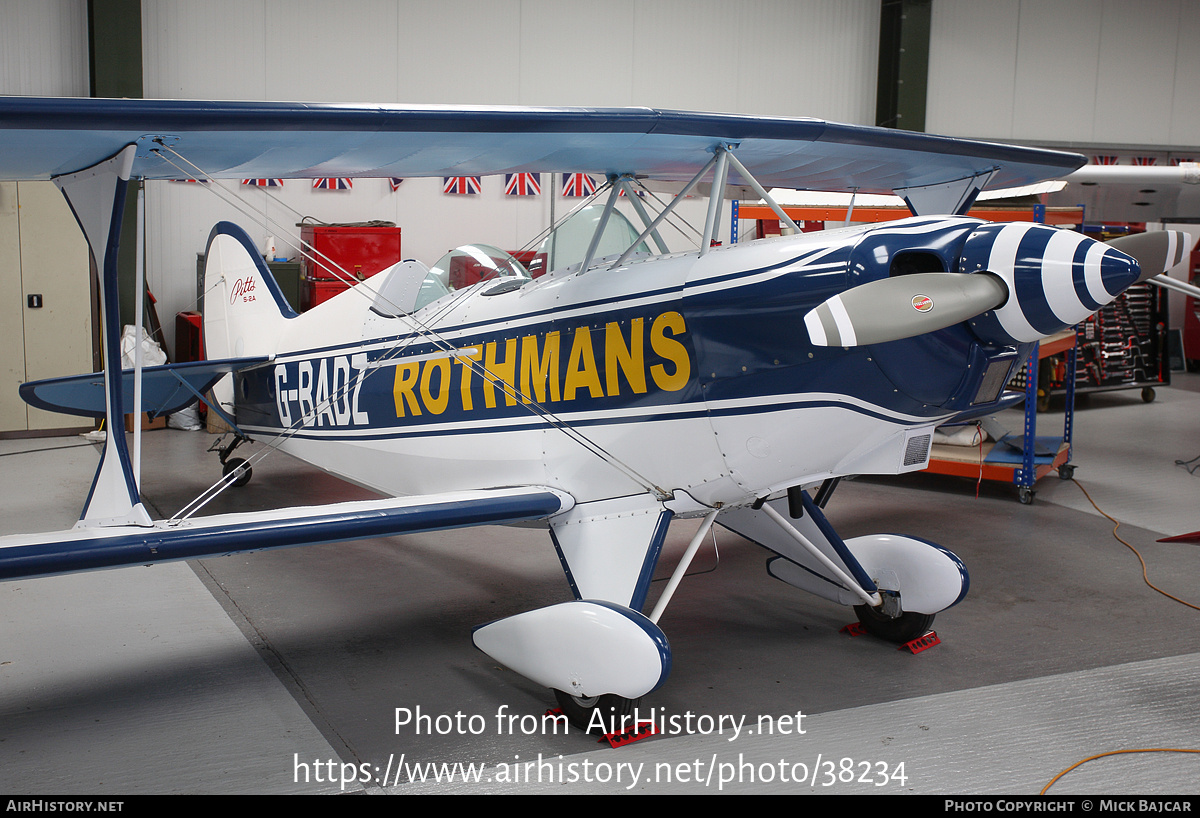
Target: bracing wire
x,y
419,329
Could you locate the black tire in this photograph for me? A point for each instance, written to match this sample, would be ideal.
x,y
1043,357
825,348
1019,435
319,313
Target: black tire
x,y
1148,394
904,628
239,465
582,711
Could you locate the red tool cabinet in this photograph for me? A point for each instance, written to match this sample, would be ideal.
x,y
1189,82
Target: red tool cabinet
x,y
360,251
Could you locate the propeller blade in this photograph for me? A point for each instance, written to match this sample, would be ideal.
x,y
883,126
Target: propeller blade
x,y
902,307
1155,252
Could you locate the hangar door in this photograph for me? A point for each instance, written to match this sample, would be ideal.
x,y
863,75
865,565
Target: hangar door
x,y
45,300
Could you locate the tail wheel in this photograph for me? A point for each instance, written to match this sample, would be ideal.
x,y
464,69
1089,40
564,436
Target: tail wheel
x,y
597,714
244,472
901,629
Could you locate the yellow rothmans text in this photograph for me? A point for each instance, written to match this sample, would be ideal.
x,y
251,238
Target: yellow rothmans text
x,y
582,363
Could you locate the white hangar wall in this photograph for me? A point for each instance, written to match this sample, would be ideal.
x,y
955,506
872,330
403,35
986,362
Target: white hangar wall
x,y
784,57
43,48
1084,72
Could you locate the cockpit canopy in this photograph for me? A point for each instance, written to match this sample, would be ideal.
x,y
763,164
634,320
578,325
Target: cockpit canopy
x,y
467,265
564,247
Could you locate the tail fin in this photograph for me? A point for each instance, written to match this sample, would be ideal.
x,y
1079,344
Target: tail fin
x,y
244,309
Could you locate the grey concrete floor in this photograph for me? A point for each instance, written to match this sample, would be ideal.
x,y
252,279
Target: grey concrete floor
x,y
277,672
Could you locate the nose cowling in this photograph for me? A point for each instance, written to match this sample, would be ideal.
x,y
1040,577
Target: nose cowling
x,y
1055,279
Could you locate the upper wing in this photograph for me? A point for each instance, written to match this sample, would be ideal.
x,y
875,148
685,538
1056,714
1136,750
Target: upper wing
x,y
42,138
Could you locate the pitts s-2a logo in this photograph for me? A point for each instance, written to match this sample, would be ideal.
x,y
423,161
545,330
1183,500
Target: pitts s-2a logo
x,y
242,291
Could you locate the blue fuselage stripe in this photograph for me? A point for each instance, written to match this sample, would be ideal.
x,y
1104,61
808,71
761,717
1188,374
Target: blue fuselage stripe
x,y
665,416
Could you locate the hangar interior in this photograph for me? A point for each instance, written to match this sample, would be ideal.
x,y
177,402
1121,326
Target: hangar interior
x,y
268,672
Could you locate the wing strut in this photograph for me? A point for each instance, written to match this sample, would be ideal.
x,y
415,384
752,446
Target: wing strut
x,y
636,201
762,193
613,193
720,174
723,160
666,212
96,196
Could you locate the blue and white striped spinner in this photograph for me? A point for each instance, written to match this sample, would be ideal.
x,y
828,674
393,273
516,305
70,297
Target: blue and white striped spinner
x,y
1055,278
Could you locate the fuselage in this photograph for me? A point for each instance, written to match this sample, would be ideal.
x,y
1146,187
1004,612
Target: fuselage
x,y
684,372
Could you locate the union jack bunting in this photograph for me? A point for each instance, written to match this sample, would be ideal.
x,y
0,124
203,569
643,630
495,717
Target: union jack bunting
x,y
1145,161
192,181
395,181
333,183
578,185
1104,160
522,184
463,185
263,182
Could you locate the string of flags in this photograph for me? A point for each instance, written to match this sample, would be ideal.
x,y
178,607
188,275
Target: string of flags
x,y
1139,161
574,185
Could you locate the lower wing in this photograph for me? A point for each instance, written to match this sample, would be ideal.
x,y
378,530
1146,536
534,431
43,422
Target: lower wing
x,y
91,548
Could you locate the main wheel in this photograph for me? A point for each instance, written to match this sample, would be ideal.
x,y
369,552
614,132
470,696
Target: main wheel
x,y
244,472
904,628
598,714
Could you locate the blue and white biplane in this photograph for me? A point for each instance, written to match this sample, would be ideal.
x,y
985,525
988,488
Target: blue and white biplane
x,y
627,386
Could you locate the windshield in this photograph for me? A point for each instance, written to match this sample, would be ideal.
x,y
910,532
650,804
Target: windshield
x,y
568,244
467,265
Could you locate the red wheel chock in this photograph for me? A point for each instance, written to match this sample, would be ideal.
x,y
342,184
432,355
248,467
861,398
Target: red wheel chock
x,y
621,739
915,646
921,643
